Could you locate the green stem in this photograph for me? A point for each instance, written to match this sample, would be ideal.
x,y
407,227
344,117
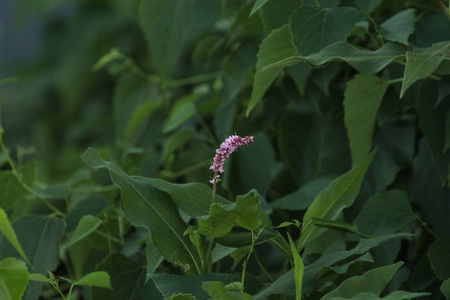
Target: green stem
x,y
261,266
317,3
244,267
425,225
209,255
70,292
444,8
395,80
109,237
19,178
211,138
192,80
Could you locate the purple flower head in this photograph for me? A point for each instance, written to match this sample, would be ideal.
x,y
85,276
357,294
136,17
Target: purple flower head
x,y
226,148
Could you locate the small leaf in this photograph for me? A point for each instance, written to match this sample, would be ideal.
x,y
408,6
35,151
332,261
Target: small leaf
x,y
182,297
98,279
399,27
7,230
14,275
373,281
38,277
181,111
337,226
445,289
87,225
421,63
298,269
315,28
258,4
331,201
362,99
439,258
364,61
275,47
218,291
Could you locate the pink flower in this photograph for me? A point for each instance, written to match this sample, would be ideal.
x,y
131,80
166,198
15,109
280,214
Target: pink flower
x,y
226,148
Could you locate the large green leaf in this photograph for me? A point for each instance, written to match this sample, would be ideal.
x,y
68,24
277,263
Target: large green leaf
x,y
127,281
285,284
219,222
87,225
445,289
364,61
362,99
421,63
439,258
331,201
170,284
98,279
373,281
275,47
146,206
314,28
399,27
14,274
165,24
40,237
7,230
385,213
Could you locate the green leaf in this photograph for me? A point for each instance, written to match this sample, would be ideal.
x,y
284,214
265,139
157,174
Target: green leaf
x,y
364,61
399,27
87,225
421,63
193,198
222,218
146,206
330,224
398,295
331,201
314,28
447,133
298,269
40,237
127,281
181,111
170,284
11,191
445,289
373,281
4,292
367,5
165,24
140,114
275,47
218,291
439,258
385,213
38,277
258,4
182,297
7,230
98,279
153,256
362,99
285,284
14,275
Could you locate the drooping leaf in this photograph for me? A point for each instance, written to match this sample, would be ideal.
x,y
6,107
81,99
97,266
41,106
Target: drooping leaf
x,y
336,225
399,27
14,275
170,284
285,284
219,222
421,63
439,258
40,237
98,279
314,28
330,202
385,214
362,99
373,281
181,112
165,24
8,231
364,61
275,47
146,206
127,281
303,197
87,225
299,268
258,4
445,289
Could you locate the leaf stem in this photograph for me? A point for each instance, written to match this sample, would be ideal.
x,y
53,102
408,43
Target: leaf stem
x,y
444,8
192,80
261,266
425,225
19,178
209,255
244,267
317,3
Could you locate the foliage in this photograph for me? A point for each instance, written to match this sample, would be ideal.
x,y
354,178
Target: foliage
x,y
344,193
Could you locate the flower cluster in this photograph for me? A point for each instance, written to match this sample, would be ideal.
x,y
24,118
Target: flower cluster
x,y
226,148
